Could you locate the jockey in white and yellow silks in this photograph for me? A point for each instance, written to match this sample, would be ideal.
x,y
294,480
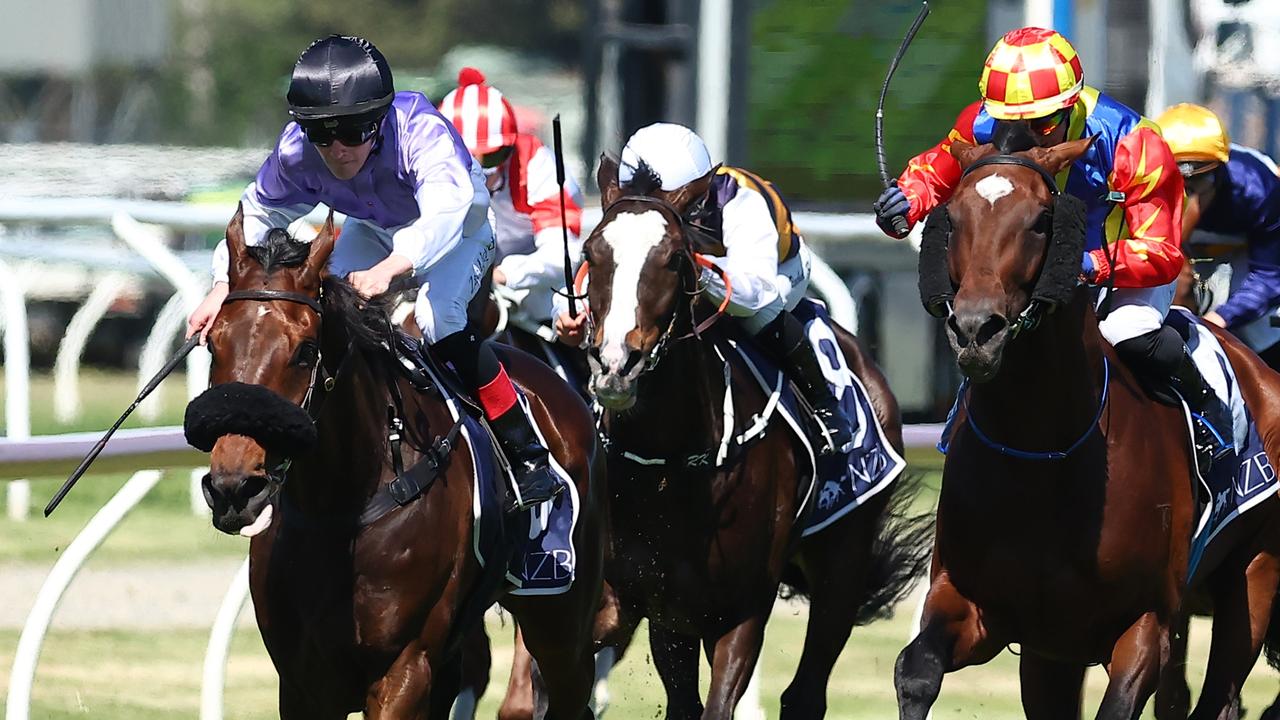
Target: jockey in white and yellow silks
x,y
520,173
765,258
1033,93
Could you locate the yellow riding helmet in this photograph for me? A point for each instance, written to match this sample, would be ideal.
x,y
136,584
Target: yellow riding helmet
x,y
1195,134
1031,73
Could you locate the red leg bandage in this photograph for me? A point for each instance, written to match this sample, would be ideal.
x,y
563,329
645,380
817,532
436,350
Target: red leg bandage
x,y
498,396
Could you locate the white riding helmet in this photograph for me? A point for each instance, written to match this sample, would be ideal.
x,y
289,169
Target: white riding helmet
x,y
673,151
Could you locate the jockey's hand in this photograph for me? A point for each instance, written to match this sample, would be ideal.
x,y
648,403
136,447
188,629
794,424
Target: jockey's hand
x,y
499,277
892,203
201,319
377,279
1215,318
572,331
1087,268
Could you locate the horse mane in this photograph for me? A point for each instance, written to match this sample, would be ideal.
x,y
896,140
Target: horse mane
x,y
366,322
279,250
644,181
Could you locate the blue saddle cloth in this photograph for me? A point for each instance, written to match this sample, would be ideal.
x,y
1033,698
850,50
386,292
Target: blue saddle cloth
x,y
537,545
842,483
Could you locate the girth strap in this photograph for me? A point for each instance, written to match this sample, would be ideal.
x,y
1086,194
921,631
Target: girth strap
x,y
409,484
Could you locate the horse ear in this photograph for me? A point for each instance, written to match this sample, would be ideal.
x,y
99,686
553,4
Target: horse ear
x,y
967,153
321,249
607,180
238,259
682,198
1055,158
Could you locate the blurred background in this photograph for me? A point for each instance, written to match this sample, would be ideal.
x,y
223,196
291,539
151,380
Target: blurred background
x,y
128,129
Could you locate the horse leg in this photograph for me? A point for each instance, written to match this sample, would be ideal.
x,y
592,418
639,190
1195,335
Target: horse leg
x,y
952,636
732,662
559,642
1051,690
1136,661
404,691
836,570
477,658
1242,603
518,703
675,657
615,628
1173,696
298,704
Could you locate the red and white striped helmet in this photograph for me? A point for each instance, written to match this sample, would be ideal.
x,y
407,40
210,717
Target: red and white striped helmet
x,y
482,115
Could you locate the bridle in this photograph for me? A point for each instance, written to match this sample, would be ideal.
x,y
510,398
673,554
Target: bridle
x,y
1030,317
330,380
690,261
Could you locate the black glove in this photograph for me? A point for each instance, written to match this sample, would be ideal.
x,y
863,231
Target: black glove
x,y
892,203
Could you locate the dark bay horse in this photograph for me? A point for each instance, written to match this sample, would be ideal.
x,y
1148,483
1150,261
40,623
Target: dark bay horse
x,y
1066,509
701,550
360,614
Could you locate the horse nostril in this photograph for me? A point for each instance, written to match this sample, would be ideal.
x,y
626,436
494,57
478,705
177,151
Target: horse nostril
x,y
252,486
206,488
989,329
633,358
962,339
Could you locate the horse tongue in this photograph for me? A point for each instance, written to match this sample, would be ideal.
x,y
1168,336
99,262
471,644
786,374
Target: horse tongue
x,y
262,523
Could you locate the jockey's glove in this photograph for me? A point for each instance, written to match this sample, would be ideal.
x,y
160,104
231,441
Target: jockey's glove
x,y
892,203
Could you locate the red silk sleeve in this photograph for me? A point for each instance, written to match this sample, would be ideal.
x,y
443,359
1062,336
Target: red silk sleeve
x,y
1149,253
932,175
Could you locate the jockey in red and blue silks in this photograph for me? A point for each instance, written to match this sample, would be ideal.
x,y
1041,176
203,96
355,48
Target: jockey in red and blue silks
x,y
1033,93
1235,191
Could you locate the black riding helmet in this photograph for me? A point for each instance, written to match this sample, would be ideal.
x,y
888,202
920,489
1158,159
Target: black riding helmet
x,y
339,82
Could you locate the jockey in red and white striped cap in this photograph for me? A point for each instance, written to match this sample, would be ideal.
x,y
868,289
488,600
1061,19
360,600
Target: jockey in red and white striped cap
x,y
521,175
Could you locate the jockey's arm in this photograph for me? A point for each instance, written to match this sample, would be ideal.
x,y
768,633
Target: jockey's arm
x,y
452,201
751,254
1259,291
1148,253
931,176
544,267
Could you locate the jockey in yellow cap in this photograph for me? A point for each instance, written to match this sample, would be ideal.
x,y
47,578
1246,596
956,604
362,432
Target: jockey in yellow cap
x,y
1232,190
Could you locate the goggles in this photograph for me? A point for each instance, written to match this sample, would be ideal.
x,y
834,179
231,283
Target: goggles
x,y
1044,126
325,133
495,158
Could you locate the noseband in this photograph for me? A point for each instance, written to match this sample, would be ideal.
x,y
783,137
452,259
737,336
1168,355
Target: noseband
x,y
690,260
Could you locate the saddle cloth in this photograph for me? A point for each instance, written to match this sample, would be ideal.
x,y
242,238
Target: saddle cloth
x,y
1231,489
842,482
535,546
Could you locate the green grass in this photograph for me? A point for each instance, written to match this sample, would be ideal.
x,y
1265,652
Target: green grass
x,y
104,394
117,675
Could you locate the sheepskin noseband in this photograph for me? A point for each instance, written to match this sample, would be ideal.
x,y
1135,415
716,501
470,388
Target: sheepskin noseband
x,y
237,408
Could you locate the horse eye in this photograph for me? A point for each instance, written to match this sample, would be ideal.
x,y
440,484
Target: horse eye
x,y
306,355
1044,223
674,262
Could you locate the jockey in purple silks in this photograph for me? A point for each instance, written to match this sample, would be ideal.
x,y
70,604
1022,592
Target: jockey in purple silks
x,y
417,209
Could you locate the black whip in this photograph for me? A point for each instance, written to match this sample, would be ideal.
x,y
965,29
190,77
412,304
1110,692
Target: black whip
x,y
899,222
97,449
564,223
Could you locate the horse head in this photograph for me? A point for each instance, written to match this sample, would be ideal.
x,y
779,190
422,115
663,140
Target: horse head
x,y
642,273
265,344
1003,251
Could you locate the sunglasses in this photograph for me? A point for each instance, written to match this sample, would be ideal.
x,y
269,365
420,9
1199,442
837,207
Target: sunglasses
x,y
495,158
1046,125
351,135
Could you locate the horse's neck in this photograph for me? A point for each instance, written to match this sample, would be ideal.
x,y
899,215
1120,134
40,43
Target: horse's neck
x,y
351,428
1049,384
678,406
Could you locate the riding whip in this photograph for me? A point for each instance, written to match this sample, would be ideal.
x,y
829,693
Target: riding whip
x,y
899,222
564,222
97,449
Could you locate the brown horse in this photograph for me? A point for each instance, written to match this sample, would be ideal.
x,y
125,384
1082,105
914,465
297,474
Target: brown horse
x,y
699,549
362,610
1066,506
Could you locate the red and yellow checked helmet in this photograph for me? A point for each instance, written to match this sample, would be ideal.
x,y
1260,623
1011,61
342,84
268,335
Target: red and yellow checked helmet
x,y
1031,73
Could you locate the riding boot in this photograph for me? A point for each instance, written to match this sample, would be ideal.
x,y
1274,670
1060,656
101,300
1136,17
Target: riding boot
x,y
529,460
784,339
1212,419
